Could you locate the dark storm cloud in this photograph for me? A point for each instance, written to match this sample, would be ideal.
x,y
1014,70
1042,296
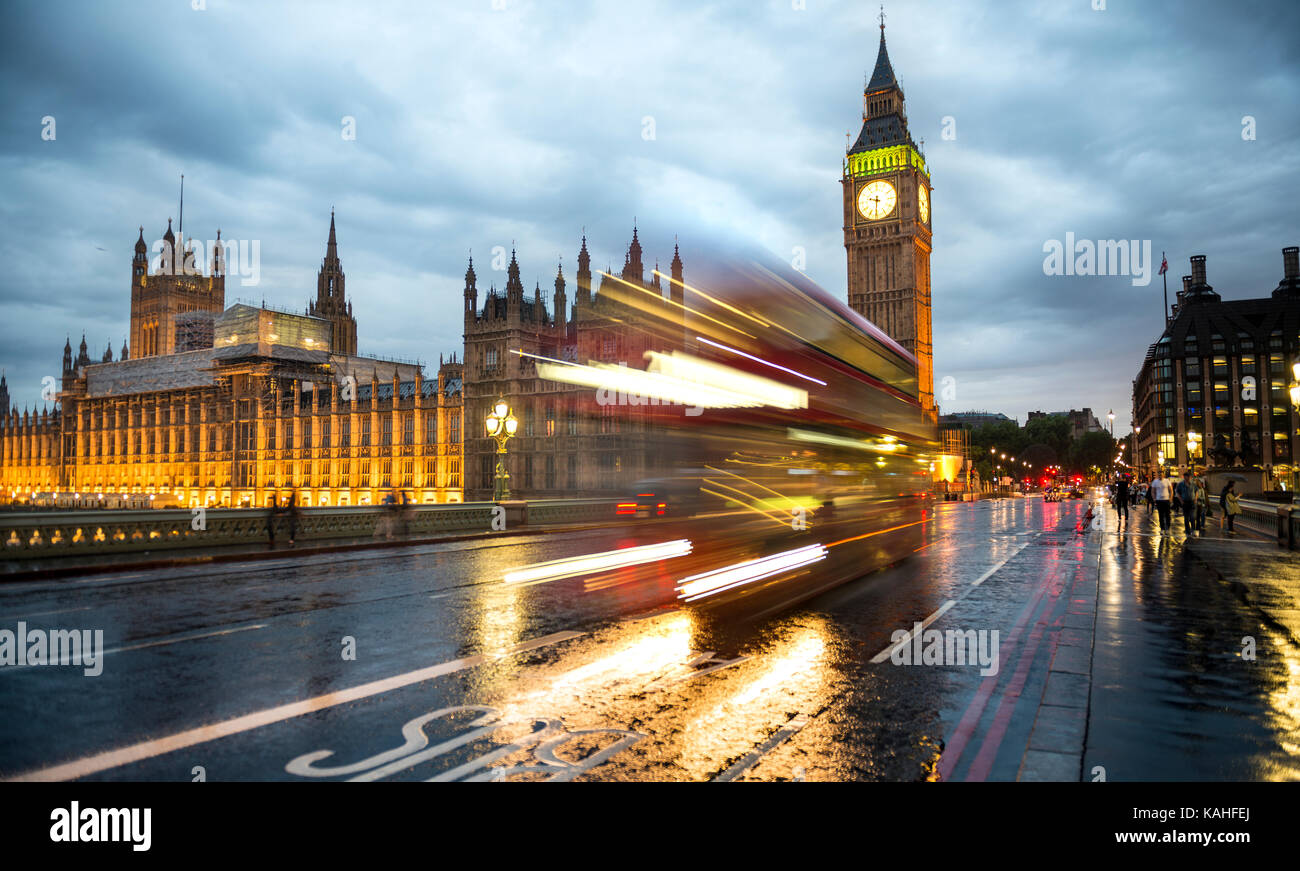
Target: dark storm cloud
x,y
478,127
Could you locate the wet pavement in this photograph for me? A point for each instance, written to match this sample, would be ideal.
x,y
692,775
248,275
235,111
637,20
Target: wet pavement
x,y
1197,661
243,672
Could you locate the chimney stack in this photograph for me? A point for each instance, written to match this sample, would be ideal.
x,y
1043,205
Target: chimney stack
x,y
1289,286
1198,270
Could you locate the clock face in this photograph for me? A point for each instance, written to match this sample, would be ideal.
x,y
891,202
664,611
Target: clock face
x,y
876,200
923,203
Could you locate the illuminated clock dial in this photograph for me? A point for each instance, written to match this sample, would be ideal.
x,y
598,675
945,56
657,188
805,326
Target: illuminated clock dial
x,y
876,200
923,203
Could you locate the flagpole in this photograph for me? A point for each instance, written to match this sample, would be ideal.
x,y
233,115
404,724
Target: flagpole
x,y
1164,275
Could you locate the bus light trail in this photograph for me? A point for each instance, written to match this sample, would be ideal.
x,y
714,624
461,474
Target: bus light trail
x,y
572,567
710,583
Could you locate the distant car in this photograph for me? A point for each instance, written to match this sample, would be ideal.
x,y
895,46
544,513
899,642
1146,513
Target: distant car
x,y
661,497
1076,493
1052,494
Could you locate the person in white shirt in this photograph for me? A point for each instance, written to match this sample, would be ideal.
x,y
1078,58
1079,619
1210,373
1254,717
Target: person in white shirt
x,y
1161,491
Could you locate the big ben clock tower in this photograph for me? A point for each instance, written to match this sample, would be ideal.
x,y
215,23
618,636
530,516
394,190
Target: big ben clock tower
x,y
887,223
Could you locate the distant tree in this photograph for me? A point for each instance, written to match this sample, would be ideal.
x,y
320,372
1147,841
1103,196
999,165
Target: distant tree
x,y
1054,432
1093,449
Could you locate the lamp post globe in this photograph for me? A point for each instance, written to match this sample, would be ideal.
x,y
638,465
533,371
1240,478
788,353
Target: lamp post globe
x,y
501,425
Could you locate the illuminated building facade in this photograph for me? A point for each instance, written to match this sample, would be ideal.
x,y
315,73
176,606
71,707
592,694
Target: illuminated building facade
x,y
887,234
568,442
1222,370
271,405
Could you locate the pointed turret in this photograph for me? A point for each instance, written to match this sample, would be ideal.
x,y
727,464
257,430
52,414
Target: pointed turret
x,y
124,355
632,268
218,257
331,300
140,259
514,287
583,296
67,357
561,302
471,292
108,353
83,354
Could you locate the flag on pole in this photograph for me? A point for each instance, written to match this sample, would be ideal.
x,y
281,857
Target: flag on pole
x,y
1164,265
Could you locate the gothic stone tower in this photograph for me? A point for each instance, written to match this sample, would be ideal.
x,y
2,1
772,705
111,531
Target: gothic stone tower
x,y
330,302
177,286
887,223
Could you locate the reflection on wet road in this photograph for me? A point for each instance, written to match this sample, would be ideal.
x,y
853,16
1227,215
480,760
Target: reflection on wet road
x,y
427,664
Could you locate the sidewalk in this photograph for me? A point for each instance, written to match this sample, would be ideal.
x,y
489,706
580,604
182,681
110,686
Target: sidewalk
x,y
1196,655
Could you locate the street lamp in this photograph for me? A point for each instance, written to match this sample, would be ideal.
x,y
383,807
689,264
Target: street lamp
x,y
1193,443
501,425
1135,432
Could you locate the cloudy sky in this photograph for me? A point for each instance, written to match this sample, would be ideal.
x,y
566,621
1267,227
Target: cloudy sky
x,y
486,122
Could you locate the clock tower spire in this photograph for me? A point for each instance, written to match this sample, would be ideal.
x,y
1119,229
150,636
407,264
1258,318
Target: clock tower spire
x,y
887,222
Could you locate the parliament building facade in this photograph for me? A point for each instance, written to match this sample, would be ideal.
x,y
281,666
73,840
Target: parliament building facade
x,y
241,406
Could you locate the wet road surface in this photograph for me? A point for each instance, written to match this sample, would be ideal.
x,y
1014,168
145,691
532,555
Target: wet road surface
x,y
241,672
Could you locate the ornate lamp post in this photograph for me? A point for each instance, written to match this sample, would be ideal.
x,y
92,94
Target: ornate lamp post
x,y
1193,443
501,425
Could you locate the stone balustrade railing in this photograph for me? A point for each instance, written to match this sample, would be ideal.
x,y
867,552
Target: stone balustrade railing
x,y
28,535
1272,518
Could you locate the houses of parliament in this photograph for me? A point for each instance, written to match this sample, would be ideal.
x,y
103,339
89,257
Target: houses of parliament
x,y
249,406
240,406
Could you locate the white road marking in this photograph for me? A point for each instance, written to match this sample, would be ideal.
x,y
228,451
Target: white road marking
x,y
885,654
984,577
945,607
45,614
185,638
203,734
13,668
797,722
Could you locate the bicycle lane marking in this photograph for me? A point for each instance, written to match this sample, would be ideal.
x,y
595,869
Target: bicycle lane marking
x,y
203,734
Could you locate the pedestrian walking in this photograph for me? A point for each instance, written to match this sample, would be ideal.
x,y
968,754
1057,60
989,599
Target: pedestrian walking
x,y
1146,494
272,510
1121,499
292,512
1161,492
1186,493
1231,508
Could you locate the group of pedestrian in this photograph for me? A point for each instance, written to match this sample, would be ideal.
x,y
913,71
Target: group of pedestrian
x,y
1188,496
